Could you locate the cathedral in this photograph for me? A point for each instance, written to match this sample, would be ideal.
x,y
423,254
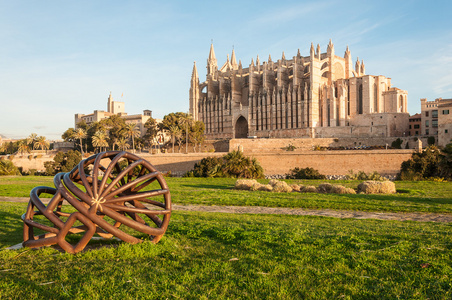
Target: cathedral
x,y
320,95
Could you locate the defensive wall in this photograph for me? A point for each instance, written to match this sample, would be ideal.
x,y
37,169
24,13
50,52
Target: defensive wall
x,y
337,162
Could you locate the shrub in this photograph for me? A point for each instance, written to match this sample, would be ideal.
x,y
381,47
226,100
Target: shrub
x,y
431,140
422,165
397,144
363,176
8,168
306,173
290,148
233,164
377,187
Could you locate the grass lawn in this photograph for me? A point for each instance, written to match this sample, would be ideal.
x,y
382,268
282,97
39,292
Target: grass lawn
x,y
421,196
224,256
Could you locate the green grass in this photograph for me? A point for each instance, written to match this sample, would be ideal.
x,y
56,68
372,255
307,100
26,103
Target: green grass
x,y
224,256
421,196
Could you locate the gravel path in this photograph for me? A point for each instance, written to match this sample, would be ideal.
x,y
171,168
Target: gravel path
x,y
344,214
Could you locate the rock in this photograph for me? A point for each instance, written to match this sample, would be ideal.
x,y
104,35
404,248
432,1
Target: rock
x,y
377,187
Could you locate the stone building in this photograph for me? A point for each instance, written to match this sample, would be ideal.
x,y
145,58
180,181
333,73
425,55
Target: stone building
x,y
320,95
437,120
415,123
115,108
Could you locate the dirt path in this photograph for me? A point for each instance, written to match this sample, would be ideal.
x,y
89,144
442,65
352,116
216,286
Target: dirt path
x,y
344,214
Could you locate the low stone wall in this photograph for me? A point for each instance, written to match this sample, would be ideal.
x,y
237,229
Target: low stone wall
x,y
386,162
30,161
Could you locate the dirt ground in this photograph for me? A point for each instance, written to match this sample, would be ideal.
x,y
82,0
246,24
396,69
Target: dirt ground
x,y
343,214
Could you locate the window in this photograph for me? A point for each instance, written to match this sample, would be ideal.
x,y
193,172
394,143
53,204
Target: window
x,y
434,114
417,132
446,131
426,113
426,123
435,123
416,126
410,126
426,131
445,111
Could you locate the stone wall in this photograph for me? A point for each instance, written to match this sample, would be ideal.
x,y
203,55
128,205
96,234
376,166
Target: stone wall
x,y
31,161
386,162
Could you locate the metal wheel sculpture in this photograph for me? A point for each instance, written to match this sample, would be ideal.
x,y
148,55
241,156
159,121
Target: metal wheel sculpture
x,y
107,191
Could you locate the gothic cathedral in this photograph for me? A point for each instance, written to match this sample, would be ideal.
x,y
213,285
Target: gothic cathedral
x,y
320,95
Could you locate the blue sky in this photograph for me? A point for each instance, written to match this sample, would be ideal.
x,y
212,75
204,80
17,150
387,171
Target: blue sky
x,y
58,58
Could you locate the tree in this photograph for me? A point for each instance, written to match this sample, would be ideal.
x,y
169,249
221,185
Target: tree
x,y
68,135
197,134
122,144
63,162
152,131
100,140
175,132
4,147
80,134
31,139
41,142
23,147
115,126
186,121
131,130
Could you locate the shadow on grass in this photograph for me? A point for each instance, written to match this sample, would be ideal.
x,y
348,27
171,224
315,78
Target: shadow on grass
x,y
208,186
399,197
11,229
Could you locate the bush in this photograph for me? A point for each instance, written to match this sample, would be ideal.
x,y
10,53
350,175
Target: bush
x,y
63,162
431,140
8,168
306,173
397,144
233,164
423,165
363,176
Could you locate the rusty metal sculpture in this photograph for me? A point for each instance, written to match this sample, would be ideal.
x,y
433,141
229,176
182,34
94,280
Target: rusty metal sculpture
x,y
107,191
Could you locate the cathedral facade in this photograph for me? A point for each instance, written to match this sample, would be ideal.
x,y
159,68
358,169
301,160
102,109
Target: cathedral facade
x,y
320,95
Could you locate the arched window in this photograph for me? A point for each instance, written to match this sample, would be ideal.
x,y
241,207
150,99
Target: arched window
x,y
375,98
400,108
360,99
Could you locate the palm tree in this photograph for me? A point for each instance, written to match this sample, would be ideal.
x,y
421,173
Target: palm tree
x,y
122,144
31,139
80,134
100,139
132,130
42,143
175,132
23,147
186,121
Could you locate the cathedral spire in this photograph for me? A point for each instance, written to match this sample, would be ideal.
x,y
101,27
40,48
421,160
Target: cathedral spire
x,y
269,58
212,54
233,60
283,56
194,73
312,50
211,62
